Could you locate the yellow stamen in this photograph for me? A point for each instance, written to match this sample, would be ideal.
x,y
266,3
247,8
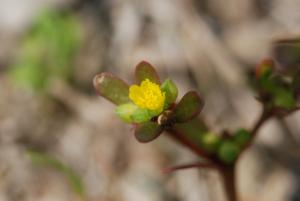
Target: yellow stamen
x,y
148,95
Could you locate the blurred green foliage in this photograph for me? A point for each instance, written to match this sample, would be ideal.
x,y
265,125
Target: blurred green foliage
x,y
47,50
228,151
211,142
241,137
271,84
40,158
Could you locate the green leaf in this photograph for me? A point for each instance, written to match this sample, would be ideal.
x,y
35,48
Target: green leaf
x,y
112,88
125,111
145,70
48,160
211,142
228,152
47,51
241,137
130,113
141,115
189,107
284,98
268,82
147,131
170,90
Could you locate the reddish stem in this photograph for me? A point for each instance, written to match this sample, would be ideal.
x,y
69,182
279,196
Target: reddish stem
x,y
227,172
180,138
188,166
265,115
228,176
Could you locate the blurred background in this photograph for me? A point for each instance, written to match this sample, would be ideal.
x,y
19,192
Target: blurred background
x,y
59,141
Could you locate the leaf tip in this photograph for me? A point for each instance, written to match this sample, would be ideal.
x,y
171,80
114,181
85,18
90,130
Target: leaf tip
x,y
99,79
146,70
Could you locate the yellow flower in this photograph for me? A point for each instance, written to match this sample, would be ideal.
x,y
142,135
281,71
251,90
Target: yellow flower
x,y
148,95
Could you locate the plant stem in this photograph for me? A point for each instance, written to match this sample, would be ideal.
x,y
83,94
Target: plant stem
x,y
180,138
265,115
187,166
228,174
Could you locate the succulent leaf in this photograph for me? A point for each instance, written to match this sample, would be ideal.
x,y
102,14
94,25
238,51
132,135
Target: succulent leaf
x,y
130,113
241,137
228,152
147,131
125,111
189,107
284,98
141,115
211,142
145,70
112,88
171,92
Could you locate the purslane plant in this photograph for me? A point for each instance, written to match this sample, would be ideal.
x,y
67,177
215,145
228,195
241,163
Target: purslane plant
x,y
152,108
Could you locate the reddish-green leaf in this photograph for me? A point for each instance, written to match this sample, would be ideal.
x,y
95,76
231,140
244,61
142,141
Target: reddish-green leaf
x,y
189,107
148,131
264,68
145,70
112,88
